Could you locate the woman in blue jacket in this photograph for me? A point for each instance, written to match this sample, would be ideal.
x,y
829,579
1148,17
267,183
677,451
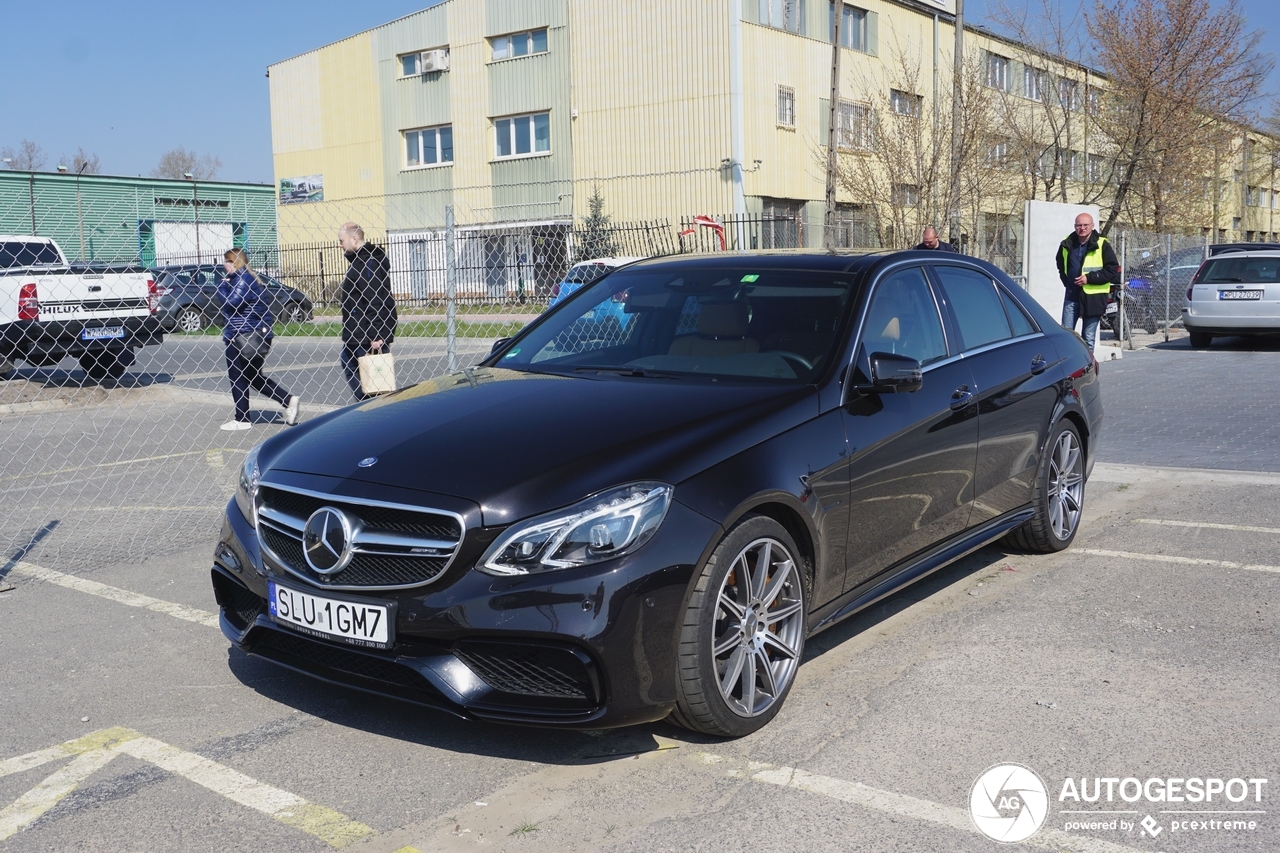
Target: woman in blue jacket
x,y
246,333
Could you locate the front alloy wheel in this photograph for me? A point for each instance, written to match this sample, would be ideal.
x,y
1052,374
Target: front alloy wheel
x,y
744,632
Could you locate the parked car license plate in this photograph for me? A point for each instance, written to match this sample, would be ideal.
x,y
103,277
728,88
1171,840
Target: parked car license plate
x,y
1239,294
357,622
101,333
1113,308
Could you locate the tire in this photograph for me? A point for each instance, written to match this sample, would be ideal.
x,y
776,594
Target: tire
x,y
1059,496
753,572
105,366
190,319
1201,340
293,313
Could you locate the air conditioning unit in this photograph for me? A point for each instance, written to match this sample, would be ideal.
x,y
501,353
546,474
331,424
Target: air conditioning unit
x,y
435,60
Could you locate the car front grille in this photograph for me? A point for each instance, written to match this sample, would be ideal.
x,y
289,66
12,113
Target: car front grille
x,y
394,547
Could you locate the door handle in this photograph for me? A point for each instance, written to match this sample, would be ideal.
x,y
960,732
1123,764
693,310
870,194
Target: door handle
x,y
961,398
1038,364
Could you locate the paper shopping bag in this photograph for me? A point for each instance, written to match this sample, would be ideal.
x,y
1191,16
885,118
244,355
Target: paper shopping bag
x,y
377,372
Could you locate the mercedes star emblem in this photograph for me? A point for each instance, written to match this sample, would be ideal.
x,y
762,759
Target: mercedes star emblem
x,y
327,540
368,462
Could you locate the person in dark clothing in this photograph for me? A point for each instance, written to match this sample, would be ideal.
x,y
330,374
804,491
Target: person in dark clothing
x,y
246,310
1087,266
368,308
929,240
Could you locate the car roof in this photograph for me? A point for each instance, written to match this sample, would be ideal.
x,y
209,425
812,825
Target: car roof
x,y
815,260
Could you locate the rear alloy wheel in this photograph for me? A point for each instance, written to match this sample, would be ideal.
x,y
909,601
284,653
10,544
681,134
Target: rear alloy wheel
x,y
1200,340
1059,499
743,632
293,313
190,320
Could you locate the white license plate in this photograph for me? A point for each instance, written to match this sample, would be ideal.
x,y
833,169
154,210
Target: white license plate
x,y
1239,294
1113,308
103,333
355,622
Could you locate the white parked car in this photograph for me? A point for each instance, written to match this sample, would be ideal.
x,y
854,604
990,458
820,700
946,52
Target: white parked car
x,y
1234,293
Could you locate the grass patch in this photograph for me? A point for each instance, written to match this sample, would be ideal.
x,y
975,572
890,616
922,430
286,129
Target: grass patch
x,y
524,829
414,329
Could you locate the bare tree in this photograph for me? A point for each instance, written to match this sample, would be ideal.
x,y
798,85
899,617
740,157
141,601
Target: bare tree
x,y
179,162
83,163
1175,69
895,156
28,157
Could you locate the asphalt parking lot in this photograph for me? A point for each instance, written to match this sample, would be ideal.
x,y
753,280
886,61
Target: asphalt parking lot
x,y
1146,651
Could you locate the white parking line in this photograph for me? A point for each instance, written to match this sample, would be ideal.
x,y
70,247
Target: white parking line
x,y
1241,527
121,596
92,752
911,807
1167,558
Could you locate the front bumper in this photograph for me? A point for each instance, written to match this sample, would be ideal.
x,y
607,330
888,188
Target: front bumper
x,y
583,648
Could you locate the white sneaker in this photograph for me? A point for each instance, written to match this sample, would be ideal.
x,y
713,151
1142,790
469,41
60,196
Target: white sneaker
x,y
291,410
236,426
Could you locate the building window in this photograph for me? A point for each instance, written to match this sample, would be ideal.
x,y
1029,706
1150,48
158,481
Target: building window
x,y
998,72
1096,168
1034,84
783,15
853,126
1077,165
519,136
905,103
853,27
1069,94
854,228
519,44
906,195
428,146
786,106
998,153
1093,102
413,64
782,224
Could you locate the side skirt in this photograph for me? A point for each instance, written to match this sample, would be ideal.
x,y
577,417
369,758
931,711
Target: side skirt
x,y
913,569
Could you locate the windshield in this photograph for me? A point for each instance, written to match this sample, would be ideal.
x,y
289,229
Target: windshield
x,y
778,325
1237,270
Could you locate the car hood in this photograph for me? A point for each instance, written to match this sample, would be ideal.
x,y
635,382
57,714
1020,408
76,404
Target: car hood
x,y
521,443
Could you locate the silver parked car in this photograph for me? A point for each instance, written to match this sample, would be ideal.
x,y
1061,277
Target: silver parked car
x,y
1236,293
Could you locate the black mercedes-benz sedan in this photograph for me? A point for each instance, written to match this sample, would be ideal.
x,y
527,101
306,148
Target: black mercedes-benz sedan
x,y
606,524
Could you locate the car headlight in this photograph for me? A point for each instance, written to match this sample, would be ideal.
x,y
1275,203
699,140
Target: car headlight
x,y
247,488
600,528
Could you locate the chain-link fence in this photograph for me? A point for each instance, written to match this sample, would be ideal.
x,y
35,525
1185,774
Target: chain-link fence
x,y
117,377
1157,271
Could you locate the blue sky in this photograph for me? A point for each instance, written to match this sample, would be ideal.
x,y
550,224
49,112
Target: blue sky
x,y
132,79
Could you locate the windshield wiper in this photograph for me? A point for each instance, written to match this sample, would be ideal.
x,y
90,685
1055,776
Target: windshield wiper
x,y
627,371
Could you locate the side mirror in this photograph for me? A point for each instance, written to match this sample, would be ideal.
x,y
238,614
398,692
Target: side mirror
x,y
498,344
894,374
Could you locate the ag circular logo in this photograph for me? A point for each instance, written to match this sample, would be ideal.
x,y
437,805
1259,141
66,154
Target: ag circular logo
x,y
1009,803
327,540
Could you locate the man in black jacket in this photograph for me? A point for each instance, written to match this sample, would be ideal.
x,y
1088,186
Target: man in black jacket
x,y
929,240
368,308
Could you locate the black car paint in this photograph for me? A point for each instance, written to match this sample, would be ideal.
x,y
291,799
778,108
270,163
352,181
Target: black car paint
x,y
823,459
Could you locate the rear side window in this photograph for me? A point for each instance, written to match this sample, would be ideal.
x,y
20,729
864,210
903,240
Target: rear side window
x,y
1018,318
1236,270
17,254
978,306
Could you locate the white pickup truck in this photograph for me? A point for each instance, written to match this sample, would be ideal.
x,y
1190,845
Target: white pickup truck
x,y
50,309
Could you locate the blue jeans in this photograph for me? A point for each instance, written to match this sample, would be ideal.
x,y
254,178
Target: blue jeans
x,y
1071,310
351,353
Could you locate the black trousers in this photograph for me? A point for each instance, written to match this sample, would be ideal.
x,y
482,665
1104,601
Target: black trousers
x,y
245,374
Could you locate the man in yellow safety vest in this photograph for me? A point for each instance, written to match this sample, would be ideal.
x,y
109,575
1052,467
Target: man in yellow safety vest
x,y
1088,267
